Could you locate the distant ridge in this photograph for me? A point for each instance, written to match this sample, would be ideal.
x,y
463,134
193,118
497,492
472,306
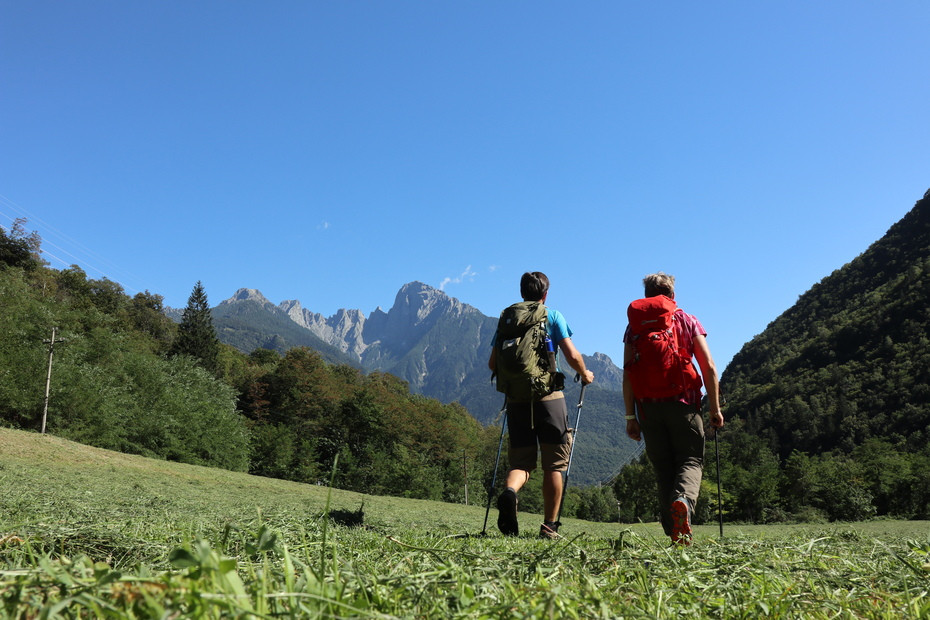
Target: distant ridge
x,y
423,333
248,321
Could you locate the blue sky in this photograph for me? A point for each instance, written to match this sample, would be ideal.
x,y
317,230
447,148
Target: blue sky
x,y
333,151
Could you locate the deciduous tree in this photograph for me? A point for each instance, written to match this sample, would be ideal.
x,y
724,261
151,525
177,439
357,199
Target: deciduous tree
x,y
19,248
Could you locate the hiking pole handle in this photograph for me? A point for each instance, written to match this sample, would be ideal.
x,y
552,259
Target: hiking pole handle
x,y
580,396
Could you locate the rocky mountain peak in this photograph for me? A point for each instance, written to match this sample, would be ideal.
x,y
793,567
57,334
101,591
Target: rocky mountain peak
x,y
247,294
606,373
344,316
416,302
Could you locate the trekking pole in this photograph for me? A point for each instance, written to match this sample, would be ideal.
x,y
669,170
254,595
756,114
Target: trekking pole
x,y
571,451
723,401
497,461
719,502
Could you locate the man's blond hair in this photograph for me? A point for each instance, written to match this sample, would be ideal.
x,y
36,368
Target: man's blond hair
x,y
659,284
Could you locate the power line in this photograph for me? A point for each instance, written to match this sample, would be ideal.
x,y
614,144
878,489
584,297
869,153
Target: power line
x,y
46,231
640,448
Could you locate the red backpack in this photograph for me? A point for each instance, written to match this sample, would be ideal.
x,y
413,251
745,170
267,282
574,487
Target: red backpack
x,y
659,368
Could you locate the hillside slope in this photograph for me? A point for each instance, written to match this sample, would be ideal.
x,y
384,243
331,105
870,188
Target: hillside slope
x,y
851,359
93,489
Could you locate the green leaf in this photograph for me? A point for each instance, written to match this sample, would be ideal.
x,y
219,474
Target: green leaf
x,y
182,558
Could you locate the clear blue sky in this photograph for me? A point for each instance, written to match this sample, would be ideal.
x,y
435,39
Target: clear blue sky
x,y
333,151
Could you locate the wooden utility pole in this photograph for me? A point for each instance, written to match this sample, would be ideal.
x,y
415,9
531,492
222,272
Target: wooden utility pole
x,y
465,470
48,378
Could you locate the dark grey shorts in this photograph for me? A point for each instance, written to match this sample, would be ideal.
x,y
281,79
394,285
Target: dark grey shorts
x,y
547,431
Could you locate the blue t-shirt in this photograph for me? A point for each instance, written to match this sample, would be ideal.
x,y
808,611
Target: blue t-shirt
x,y
558,330
557,327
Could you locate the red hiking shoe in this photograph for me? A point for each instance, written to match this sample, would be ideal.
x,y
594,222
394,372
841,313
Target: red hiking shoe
x,y
681,521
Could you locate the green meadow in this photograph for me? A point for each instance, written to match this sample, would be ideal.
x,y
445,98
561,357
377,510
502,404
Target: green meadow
x,y
89,533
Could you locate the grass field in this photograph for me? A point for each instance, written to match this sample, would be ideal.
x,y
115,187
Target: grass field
x,y
90,533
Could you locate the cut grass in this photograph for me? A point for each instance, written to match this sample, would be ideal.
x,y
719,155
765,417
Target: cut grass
x,y
90,533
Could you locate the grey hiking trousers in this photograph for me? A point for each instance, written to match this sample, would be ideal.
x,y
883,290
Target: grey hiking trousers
x,y
674,435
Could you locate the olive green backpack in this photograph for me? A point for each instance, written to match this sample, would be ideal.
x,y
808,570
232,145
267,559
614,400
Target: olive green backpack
x,y
522,362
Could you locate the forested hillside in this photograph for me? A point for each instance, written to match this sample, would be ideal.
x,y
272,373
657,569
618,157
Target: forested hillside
x,y
117,385
836,391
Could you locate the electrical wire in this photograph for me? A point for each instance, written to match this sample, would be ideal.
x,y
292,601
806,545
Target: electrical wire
x,y
48,233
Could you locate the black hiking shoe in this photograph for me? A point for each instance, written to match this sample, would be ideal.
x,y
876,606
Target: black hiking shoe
x,y
507,513
550,530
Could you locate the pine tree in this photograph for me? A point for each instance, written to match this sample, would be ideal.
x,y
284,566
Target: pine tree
x,y
196,334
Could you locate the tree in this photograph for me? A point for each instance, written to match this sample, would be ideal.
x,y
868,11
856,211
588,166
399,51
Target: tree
x,y
596,503
752,475
196,334
635,489
146,315
847,496
19,249
24,318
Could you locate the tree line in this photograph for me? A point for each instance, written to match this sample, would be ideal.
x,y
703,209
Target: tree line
x,y
875,479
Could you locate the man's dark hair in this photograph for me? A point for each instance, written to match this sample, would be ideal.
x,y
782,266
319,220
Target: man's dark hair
x,y
533,286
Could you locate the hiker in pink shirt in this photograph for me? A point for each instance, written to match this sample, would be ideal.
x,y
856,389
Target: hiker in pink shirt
x,y
662,387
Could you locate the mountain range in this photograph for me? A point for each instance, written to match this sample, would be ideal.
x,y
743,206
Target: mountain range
x,y
439,346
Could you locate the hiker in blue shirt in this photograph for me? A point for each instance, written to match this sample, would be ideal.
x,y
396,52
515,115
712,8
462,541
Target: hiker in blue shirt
x,y
539,423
